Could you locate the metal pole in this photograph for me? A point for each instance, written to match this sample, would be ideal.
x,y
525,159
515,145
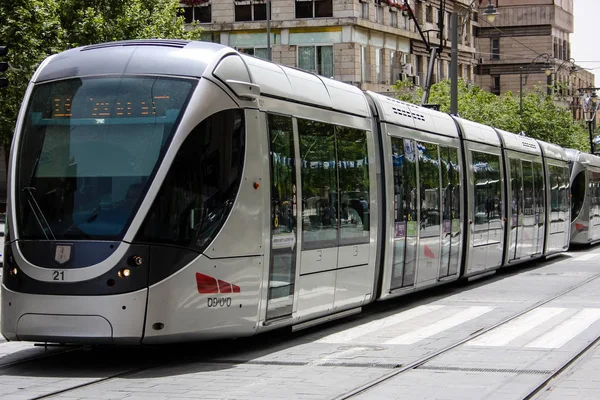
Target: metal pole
x,y
521,99
269,30
591,138
454,65
429,76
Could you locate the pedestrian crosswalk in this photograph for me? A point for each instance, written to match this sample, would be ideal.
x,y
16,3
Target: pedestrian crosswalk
x,y
542,328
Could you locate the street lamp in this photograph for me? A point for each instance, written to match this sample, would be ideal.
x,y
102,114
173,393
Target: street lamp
x,y
590,105
490,12
546,67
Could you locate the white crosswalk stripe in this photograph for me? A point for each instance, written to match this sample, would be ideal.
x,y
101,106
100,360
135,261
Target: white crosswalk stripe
x,y
374,326
515,328
586,257
440,326
567,330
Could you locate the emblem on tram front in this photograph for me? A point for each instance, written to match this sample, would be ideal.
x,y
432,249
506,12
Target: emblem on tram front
x,y
62,253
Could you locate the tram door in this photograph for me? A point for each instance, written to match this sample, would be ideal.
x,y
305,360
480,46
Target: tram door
x,y
405,213
516,201
450,211
540,209
282,270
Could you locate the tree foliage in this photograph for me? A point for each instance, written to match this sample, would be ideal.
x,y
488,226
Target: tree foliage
x,y
35,29
542,118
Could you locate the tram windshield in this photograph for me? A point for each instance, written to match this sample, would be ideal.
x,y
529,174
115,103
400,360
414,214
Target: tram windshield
x,y
88,150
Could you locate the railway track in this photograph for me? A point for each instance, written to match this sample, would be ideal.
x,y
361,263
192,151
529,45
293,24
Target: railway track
x,y
401,369
160,359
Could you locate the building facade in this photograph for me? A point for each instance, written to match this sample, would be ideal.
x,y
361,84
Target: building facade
x,y
368,43
527,46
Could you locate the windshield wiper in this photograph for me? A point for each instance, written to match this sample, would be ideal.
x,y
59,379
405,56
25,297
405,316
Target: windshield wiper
x,y
37,212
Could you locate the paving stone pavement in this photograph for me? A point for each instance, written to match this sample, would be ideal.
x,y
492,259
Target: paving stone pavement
x,y
327,361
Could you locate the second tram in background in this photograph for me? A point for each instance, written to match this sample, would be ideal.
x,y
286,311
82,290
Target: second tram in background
x,y
185,191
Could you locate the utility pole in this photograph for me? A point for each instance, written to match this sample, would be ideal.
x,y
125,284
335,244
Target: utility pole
x,y
269,57
454,65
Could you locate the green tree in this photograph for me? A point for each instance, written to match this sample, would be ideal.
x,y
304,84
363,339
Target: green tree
x,y
542,118
35,29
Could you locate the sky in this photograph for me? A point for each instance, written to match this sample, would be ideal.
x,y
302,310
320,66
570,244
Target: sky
x,y
585,40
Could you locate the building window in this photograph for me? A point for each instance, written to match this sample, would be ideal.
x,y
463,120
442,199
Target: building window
x,y
378,69
200,13
250,10
429,14
379,14
317,59
364,64
213,37
495,85
314,8
364,10
418,13
405,22
394,19
259,52
495,48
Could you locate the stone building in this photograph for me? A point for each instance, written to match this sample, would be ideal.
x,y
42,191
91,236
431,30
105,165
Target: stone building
x,y
528,45
368,43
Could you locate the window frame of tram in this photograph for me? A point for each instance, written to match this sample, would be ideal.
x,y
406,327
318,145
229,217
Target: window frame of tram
x,y
404,172
488,197
282,268
334,190
559,193
577,195
179,215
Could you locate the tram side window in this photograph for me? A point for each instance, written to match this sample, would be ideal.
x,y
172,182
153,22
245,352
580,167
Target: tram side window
x,y
319,184
559,193
201,185
352,161
455,182
494,187
429,174
594,193
528,200
398,160
566,192
577,194
538,182
480,186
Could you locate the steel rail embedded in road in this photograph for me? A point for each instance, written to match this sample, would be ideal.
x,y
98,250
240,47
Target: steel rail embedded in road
x,y
415,364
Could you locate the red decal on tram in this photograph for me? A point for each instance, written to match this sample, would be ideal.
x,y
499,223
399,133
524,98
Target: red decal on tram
x,y
428,253
206,284
225,287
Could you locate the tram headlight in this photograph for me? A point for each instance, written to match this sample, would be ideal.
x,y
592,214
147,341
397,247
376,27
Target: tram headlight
x,y
13,271
124,273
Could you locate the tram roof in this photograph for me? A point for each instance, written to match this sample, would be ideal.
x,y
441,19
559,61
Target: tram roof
x,y
583,158
155,57
398,112
304,87
477,132
197,59
521,143
552,150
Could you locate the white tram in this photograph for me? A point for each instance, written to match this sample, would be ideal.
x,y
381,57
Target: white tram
x,y
184,191
585,197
